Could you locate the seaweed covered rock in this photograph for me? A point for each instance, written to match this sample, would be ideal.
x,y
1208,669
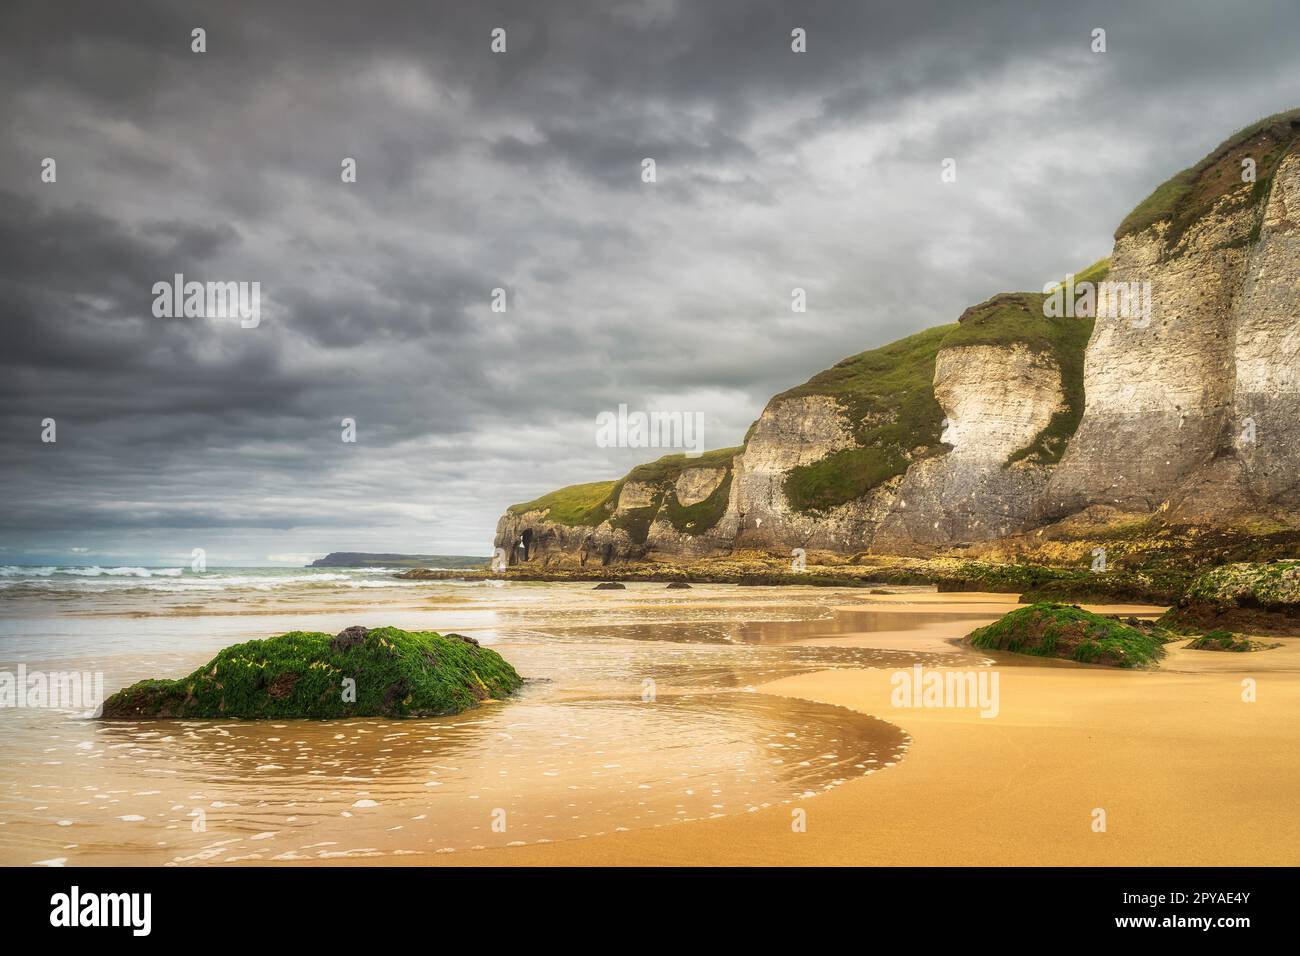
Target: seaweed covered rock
x,y
1060,630
1227,641
1243,597
1075,586
361,672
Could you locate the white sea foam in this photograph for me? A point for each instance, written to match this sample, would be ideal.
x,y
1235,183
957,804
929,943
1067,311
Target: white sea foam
x,y
126,572
43,580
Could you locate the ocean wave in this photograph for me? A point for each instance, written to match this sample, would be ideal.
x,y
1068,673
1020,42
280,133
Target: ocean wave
x,y
89,571
68,581
249,580
95,571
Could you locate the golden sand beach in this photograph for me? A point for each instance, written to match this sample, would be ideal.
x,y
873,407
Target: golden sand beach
x,y
771,706
1186,772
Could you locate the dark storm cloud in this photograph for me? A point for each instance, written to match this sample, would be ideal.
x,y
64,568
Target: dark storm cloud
x,y
522,172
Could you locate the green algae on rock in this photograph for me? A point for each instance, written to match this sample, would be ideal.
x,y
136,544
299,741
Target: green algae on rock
x,y
1060,630
380,672
1227,641
1244,597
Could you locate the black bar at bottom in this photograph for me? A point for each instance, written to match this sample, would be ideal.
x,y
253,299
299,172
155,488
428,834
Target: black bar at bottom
x,y
227,905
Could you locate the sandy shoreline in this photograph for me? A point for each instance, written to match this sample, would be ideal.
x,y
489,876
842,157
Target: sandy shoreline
x,y
1185,770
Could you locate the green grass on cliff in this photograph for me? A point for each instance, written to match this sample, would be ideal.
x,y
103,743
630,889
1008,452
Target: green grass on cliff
x,y
703,515
887,395
1096,272
670,467
1157,207
301,675
573,504
1009,318
1188,195
1059,630
590,504
1017,318
662,476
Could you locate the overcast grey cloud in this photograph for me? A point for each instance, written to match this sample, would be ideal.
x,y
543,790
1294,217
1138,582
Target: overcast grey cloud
x,y
522,171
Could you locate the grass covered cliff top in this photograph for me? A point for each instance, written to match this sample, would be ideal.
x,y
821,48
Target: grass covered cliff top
x,y
661,475
1190,194
591,504
887,395
303,674
1018,318
573,504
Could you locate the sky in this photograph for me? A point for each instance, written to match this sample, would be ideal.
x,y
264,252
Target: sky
x,y
523,171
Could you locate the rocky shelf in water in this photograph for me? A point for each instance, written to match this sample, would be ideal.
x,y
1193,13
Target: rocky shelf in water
x,y
1254,598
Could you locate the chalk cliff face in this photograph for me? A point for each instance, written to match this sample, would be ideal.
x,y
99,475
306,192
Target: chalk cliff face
x,y
1266,399
791,433
1194,408
996,399
1183,401
1255,465
1157,387
670,507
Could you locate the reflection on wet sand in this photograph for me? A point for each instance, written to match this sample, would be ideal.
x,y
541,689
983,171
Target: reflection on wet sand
x,y
637,714
534,770
839,621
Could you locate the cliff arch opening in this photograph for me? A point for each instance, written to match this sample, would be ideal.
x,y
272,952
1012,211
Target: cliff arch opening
x,y
525,544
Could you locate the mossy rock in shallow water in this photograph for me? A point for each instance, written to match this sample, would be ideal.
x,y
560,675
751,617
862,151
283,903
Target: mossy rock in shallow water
x,y
1060,630
1227,641
306,675
1150,628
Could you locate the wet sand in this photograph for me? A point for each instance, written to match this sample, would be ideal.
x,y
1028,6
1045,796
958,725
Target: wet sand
x,y
1185,770
640,712
769,702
